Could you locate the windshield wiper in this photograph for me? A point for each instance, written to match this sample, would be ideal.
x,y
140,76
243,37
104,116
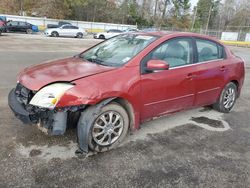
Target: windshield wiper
x,y
97,61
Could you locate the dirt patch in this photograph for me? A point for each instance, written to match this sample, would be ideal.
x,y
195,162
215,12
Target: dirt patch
x,y
211,122
35,152
206,108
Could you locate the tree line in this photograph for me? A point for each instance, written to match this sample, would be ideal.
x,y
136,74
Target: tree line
x,y
178,14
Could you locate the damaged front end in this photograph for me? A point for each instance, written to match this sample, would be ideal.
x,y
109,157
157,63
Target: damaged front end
x,y
53,121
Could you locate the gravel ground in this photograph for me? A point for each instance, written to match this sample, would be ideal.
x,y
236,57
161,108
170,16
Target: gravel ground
x,y
194,148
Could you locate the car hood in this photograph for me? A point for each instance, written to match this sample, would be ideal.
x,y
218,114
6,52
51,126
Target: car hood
x,y
64,70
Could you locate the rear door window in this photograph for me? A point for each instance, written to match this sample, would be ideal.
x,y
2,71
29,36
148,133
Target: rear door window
x,y
22,24
73,27
66,27
12,23
209,50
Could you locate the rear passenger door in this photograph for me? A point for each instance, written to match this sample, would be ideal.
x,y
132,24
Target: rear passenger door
x,y
73,30
210,71
23,26
12,26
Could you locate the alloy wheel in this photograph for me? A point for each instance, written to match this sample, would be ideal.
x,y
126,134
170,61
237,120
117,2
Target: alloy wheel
x,y
107,128
229,98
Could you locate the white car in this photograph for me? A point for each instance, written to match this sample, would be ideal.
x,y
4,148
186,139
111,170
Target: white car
x,y
66,31
131,30
109,34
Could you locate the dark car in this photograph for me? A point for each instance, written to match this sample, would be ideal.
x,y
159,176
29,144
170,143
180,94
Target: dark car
x,y
113,87
19,26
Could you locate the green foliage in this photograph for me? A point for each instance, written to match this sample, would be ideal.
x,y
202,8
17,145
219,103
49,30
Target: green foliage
x,y
180,14
207,11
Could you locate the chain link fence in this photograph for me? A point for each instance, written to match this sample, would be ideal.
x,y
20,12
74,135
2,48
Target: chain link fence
x,y
241,32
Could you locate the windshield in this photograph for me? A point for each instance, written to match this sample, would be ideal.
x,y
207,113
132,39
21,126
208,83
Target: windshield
x,y
118,50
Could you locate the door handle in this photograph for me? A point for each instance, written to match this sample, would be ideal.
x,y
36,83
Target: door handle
x,y
222,68
190,76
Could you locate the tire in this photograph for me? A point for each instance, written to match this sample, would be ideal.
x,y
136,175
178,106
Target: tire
x,y
101,37
79,35
227,98
105,133
29,31
55,34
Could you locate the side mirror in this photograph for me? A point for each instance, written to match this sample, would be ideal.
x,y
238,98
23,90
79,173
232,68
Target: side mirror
x,y
157,65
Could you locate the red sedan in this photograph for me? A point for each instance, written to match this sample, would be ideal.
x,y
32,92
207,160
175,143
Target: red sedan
x,y
113,87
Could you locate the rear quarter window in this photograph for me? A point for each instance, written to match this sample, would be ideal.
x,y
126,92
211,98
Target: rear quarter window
x,y
209,50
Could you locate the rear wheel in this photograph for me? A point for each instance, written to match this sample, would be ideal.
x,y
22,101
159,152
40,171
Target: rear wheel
x,y
55,34
79,35
227,98
101,37
29,31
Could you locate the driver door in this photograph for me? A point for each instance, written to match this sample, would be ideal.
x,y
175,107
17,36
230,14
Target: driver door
x,y
170,90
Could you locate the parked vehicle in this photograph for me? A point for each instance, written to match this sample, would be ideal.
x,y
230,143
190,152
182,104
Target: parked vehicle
x,y
111,88
19,26
130,30
3,22
109,34
151,29
66,31
61,23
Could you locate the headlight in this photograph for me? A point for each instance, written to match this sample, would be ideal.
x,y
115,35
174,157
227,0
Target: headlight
x,y
48,96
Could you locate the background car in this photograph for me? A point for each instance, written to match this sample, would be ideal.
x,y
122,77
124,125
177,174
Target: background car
x,y
128,30
151,29
66,31
61,23
3,22
109,34
19,26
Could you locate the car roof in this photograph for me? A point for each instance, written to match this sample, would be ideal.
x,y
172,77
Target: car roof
x,y
173,34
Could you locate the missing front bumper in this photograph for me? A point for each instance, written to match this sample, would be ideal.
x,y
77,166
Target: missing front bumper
x,y
54,122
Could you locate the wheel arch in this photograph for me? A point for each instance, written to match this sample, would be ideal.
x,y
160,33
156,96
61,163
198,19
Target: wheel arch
x,y
236,82
129,109
92,110
79,33
102,36
126,105
54,31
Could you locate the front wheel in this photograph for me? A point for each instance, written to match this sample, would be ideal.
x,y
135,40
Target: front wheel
x,y
108,129
55,34
227,98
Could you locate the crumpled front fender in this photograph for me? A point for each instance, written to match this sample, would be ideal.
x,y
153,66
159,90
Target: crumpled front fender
x,y
84,92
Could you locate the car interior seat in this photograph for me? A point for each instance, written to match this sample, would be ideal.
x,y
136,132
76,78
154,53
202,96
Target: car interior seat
x,y
175,54
206,54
